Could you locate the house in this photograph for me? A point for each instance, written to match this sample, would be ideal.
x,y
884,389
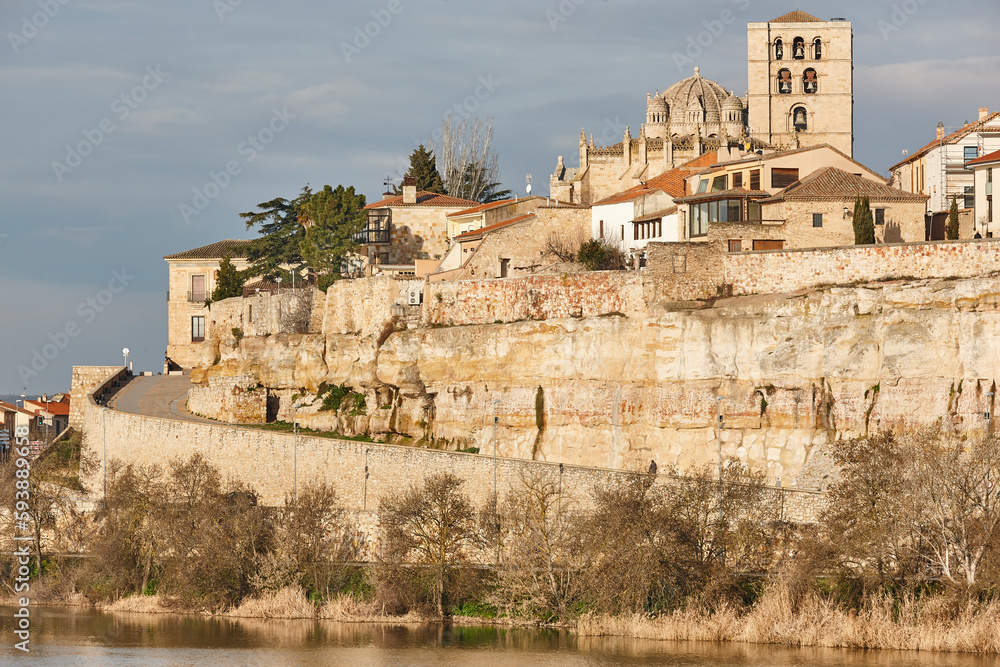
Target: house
x,y
14,417
982,169
646,212
732,191
485,215
51,414
404,229
192,276
939,170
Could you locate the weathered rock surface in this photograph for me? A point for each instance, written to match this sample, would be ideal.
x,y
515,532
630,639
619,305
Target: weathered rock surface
x,y
795,372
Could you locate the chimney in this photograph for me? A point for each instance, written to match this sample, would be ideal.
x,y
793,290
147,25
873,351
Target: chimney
x,y
983,112
409,191
940,131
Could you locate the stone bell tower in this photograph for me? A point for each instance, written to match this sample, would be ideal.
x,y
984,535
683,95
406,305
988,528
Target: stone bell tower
x,y
801,81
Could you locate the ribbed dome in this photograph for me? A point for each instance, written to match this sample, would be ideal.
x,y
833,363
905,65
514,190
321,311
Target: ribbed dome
x,y
733,104
699,91
657,104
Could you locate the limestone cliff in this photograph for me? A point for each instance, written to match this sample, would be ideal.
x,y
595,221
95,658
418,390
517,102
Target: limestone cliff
x,y
794,372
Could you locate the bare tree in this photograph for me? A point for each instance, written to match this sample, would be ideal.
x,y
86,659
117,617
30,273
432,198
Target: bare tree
x,y
433,524
468,162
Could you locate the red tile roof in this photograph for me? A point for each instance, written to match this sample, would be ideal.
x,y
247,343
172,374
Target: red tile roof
x,y
5,406
671,182
58,409
656,215
952,138
986,159
491,205
470,236
425,199
797,17
832,183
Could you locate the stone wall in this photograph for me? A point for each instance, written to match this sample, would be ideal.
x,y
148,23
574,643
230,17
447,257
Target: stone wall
x,y
525,244
684,271
87,379
361,473
234,400
287,312
538,297
774,271
904,222
363,306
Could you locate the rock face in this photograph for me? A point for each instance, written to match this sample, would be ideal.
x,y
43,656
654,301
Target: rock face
x,y
794,372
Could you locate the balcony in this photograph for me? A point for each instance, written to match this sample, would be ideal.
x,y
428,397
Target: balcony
x,y
373,237
197,297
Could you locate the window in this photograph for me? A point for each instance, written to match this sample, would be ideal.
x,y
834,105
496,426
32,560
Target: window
x,y
734,213
197,329
197,289
735,245
635,232
738,179
817,48
971,153
250,314
799,49
719,184
753,212
970,197
782,178
504,267
699,220
810,84
755,179
779,50
703,185
880,216
817,219
784,82
623,233
799,119
601,235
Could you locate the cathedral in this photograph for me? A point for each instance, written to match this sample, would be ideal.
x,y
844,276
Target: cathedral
x,y
800,93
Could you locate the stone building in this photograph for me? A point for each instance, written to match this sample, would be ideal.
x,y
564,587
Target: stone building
x,y
486,215
800,94
403,229
192,276
801,82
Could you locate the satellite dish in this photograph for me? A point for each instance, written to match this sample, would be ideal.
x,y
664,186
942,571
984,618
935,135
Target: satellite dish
x,y
528,188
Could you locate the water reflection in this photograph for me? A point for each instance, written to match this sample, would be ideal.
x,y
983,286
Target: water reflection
x,y
84,637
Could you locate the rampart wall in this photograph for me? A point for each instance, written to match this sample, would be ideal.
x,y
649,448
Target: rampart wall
x,y
361,473
776,271
87,379
268,314
234,400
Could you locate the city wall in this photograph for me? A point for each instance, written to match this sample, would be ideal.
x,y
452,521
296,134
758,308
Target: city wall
x,y
234,400
361,473
88,381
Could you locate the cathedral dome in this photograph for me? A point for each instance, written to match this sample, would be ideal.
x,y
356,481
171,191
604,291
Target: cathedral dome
x,y
707,94
733,104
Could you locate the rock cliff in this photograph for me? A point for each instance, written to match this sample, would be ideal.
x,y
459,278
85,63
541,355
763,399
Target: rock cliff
x,y
794,372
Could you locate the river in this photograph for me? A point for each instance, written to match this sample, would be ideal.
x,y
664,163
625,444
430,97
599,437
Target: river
x,y
65,637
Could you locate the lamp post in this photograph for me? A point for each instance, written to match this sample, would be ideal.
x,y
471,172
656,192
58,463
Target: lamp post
x,y
496,516
104,455
125,353
722,425
295,456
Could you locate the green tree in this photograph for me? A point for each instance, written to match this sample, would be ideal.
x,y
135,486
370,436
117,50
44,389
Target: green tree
x,y
864,222
230,281
281,234
335,217
951,231
424,171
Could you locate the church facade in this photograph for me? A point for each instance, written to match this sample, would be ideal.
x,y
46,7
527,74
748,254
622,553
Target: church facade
x,y
800,93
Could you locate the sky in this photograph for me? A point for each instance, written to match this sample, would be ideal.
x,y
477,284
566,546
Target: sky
x,y
136,129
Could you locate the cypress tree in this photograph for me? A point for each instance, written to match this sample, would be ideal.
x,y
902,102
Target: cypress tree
x,y
424,171
230,281
864,222
951,231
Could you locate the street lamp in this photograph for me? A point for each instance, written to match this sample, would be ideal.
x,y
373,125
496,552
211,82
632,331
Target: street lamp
x,y
125,352
295,455
722,425
104,456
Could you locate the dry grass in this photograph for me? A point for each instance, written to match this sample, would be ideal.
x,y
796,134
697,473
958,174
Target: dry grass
x,y
926,625
348,609
288,602
139,604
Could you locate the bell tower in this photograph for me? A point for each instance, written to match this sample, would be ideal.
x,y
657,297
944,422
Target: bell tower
x,y
801,82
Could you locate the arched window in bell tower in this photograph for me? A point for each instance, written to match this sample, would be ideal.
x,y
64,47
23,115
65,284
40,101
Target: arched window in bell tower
x,y
784,82
800,119
817,49
799,49
810,84
779,49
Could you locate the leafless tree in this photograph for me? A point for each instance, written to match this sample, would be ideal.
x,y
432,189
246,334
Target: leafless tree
x,y
467,160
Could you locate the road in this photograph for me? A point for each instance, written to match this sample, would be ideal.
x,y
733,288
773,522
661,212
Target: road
x,y
157,396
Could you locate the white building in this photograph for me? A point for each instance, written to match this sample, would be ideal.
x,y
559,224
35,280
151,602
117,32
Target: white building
x,y
983,217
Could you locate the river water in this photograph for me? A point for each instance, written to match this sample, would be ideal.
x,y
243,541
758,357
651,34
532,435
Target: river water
x,y
84,637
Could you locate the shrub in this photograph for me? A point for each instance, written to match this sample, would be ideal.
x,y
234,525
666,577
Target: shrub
x,y
599,255
238,334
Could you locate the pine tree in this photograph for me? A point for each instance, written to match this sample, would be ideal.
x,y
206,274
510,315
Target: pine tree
x,y
951,231
281,234
230,281
424,171
864,222
335,217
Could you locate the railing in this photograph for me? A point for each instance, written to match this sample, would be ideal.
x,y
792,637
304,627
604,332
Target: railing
x,y
197,297
373,236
